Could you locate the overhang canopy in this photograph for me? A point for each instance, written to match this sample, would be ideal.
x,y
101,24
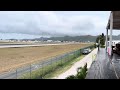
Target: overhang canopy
x,y
116,20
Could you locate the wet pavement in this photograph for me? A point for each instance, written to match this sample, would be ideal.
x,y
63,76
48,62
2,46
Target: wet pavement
x,y
104,67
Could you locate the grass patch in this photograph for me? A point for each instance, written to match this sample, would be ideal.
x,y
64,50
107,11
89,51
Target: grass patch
x,y
64,68
54,69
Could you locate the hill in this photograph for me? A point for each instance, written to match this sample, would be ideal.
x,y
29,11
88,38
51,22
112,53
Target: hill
x,y
83,38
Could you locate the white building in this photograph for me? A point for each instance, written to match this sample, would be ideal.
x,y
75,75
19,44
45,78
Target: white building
x,y
49,40
57,41
114,42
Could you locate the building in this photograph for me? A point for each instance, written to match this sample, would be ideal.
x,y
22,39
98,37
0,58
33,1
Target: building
x,y
114,42
113,24
49,40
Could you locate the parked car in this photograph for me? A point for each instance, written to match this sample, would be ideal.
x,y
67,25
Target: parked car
x,y
86,51
117,49
89,50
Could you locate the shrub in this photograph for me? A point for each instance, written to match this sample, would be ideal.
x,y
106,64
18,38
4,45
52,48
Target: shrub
x,y
95,45
71,77
102,46
81,73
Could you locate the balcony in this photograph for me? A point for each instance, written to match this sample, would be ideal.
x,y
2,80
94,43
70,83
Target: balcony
x,y
104,67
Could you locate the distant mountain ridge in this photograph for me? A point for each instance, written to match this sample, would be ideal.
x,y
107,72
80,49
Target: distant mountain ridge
x,y
82,38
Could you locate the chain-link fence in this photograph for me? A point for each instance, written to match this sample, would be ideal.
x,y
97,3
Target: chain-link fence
x,y
42,69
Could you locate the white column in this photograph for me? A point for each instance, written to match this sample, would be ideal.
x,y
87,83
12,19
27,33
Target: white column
x,y
106,39
111,27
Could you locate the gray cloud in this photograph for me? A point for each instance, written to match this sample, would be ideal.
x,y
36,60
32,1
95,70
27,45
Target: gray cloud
x,y
47,23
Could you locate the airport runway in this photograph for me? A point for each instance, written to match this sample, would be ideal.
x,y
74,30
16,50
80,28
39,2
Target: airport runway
x,y
28,45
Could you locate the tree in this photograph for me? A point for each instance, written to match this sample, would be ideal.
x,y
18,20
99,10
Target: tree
x,y
97,39
102,34
102,39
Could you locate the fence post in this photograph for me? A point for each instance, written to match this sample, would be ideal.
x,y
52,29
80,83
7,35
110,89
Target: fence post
x,y
39,71
51,64
61,60
16,73
30,71
77,53
68,57
55,60
42,71
80,52
74,54
65,58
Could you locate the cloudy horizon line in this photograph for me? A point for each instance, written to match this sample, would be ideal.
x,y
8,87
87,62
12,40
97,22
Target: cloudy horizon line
x,y
32,24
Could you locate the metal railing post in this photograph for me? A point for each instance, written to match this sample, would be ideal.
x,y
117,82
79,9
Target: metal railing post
x,y
30,71
42,71
55,61
61,60
16,73
80,52
51,64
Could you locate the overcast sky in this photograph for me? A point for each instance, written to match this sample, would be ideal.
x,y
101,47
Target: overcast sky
x,y
33,24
